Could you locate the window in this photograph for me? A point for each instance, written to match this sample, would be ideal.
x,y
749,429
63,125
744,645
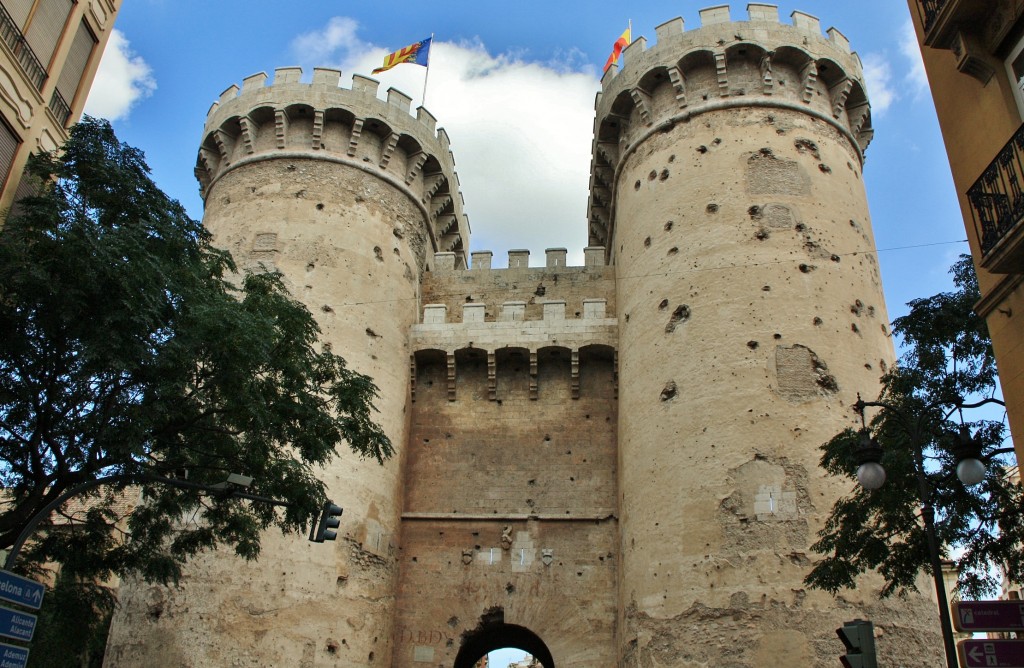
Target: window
x,y
45,25
74,67
9,143
1015,70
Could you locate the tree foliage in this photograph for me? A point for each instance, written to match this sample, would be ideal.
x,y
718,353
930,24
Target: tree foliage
x,y
126,351
948,364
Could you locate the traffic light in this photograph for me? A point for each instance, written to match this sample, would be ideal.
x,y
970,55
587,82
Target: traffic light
x,y
859,638
329,520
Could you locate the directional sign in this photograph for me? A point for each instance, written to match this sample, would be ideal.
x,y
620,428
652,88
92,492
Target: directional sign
x,y
974,616
12,656
16,589
988,653
16,625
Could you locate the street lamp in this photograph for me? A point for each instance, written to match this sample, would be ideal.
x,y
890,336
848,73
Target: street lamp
x,y
871,476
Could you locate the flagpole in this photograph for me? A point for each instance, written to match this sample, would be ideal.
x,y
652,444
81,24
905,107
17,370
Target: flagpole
x,y
423,99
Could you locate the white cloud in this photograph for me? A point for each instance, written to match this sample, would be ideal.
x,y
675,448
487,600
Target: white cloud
x,y
520,133
916,77
319,45
122,79
878,77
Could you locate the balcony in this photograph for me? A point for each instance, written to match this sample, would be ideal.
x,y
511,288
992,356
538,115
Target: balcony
x,y
23,53
948,23
60,108
997,205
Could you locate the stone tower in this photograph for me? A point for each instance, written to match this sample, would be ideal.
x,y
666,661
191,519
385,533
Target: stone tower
x,y
350,197
607,465
726,185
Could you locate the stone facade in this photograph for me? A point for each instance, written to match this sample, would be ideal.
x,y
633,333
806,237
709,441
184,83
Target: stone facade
x,y
607,465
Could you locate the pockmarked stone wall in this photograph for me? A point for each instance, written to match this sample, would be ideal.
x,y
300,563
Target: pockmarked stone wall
x,y
727,189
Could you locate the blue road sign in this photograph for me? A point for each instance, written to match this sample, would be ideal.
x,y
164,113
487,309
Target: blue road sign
x,y
12,656
16,589
17,625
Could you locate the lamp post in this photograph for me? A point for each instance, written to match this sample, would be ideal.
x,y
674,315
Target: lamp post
x,y
871,475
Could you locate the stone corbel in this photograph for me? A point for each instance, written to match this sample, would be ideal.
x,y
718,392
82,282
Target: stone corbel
x,y
534,393
678,80
388,150
642,100
318,129
451,376
723,73
353,140
809,78
839,93
281,127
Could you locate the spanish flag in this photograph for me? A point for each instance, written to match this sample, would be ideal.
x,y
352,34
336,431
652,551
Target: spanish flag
x,y
621,43
417,53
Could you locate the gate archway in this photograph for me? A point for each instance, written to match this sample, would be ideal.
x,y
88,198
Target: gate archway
x,y
496,636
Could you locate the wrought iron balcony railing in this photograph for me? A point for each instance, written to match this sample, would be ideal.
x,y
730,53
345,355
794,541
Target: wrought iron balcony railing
x,y
997,203
60,108
930,10
12,36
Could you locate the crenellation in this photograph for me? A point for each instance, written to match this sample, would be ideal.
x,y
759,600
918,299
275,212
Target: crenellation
x,y
287,75
254,81
594,256
435,314
444,261
427,119
519,258
481,260
327,77
712,15
512,311
365,85
839,39
555,257
397,98
669,29
554,310
758,11
229,93
806,22
473,313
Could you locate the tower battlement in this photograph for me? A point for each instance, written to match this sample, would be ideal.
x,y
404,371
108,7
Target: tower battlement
x,y
290,119
756,65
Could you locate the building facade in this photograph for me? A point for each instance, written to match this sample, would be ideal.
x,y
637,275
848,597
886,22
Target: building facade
x,y
607,465
973,56
49,53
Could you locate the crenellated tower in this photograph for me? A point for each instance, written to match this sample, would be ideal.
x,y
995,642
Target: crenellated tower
x,y
726,185
349,196
607,465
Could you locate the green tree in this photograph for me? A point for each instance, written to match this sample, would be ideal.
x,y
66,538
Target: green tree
x,y
126,352
948,365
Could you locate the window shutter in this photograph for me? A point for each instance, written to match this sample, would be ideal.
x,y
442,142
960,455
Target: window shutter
x,y
18,9
45,29
9,143
78,57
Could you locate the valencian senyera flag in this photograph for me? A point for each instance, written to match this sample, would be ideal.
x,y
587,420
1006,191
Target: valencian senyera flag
x,y
621,43
414,53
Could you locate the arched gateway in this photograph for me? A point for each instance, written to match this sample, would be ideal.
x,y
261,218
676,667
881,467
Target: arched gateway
x,y
478,643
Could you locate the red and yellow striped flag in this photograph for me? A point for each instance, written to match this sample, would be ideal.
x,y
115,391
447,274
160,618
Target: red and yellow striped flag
x,y
414,53
621,43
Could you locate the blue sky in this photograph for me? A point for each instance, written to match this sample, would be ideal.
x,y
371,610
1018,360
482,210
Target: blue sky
x,y
514,86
